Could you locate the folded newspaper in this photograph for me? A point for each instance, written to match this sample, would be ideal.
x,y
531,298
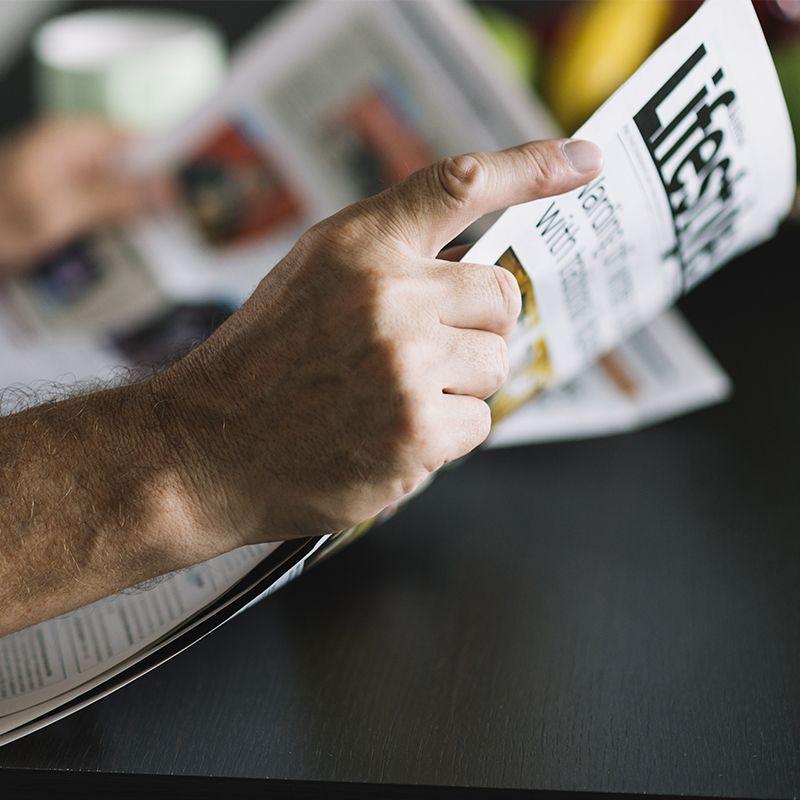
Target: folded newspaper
x,y
699,165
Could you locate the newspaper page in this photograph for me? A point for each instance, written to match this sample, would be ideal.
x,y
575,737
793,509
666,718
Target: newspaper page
x,y
377,91
126,663
45,660
661,370
699,166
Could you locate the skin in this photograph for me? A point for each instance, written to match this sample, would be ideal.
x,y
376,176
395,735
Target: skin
x,y
358,367
60,178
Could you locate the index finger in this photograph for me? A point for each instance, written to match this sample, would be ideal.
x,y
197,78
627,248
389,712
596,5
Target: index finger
x,y
432,206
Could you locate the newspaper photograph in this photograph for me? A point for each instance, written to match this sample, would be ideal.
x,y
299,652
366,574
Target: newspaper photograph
x,y
661,370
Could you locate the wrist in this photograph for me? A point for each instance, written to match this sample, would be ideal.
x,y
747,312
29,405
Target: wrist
x,y
187,517
206,437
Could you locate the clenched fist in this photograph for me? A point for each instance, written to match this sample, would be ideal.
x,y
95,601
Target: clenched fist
x,y
361,363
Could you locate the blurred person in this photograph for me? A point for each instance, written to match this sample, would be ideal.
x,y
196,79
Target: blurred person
x,y
359,366
61,178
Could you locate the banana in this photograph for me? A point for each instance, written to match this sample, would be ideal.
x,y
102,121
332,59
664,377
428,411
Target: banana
x,y
601,44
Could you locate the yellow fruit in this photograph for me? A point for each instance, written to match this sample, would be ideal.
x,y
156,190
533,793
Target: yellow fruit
x,y
600,46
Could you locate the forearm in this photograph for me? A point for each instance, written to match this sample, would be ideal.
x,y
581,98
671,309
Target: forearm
x,y
94,498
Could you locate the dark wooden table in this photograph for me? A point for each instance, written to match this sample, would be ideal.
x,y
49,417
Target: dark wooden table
x,y
612,616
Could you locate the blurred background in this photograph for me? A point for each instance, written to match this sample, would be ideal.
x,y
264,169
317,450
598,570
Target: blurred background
x,y
266,119
549,42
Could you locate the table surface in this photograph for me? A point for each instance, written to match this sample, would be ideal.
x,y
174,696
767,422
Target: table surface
x,y
615,615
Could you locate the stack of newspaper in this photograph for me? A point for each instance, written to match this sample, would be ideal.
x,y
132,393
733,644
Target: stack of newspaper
x,y
699,165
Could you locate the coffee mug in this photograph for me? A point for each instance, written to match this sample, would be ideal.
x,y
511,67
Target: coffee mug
x,y
144,70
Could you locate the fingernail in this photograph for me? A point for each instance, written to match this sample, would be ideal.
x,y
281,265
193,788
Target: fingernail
x,y
583,156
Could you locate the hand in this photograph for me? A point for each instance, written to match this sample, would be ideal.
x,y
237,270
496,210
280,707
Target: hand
x,y
60,179
361,363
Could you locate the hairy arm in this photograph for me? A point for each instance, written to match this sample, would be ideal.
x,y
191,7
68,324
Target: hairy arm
x,y
92,500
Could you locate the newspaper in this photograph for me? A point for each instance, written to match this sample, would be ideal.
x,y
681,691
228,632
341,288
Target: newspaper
x,y
699,165
660,370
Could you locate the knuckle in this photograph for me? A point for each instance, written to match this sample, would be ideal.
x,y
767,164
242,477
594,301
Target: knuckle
x,y
398,358
309,239
341,231
420,429
544,168
480,423
349,229
509,293
499,363
412,425
345,229
318,241
402,413
414,429
460,178
403,309
392,300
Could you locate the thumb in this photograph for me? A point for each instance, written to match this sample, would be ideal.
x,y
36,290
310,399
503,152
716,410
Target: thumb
x,y
434,205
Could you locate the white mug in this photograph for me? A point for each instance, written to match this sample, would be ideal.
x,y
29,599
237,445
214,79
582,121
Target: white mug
x,y
145,70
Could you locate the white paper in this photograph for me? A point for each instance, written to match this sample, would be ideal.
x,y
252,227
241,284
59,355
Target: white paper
x,y
658,372
699,166
48,659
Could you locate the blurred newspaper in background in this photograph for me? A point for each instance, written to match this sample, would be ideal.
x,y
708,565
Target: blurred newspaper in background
x,y
335,101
